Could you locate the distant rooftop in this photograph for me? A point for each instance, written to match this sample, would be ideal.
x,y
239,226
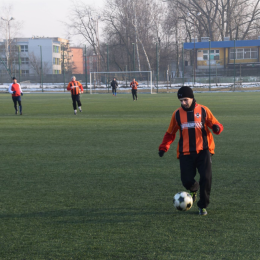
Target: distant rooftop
x,y
221,44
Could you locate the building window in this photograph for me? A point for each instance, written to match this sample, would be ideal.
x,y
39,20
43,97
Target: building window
x,y
24,48
56,61
25,72
24,60
214,54
56,49
4,60
242,54
56,71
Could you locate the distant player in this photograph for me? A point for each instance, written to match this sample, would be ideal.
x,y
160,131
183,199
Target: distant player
x,y
134,85
114,85
75,88
196,144
16,91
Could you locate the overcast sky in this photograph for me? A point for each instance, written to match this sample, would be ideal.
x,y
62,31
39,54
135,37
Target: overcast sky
x,y
44,17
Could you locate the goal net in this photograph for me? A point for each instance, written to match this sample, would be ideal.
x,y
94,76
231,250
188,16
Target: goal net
x,y
100,82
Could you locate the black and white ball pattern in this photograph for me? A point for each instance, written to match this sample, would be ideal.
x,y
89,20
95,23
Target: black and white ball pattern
x,y
182,201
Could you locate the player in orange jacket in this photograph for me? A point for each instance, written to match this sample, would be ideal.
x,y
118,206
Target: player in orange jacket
x,y
75,88
196,144
16,91
134,85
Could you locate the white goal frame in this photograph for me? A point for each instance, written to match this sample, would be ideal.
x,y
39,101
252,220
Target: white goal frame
x,y
119,72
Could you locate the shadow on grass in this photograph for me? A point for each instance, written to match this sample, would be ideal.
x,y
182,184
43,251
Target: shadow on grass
x,y
76,216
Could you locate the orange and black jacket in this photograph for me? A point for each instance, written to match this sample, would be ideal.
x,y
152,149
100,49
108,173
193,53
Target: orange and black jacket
x,y
75,91
134,84
194,130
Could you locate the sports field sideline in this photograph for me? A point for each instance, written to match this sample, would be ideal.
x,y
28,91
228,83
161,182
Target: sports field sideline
x,y
92,186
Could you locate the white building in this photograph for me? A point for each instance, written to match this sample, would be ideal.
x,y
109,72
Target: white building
x,y
31,56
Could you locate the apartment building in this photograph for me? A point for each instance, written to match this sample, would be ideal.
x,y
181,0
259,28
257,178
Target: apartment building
x,y
33,52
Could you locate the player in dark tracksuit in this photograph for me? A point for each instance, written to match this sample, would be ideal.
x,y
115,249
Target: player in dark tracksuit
x,y
114,85
196,144
16,91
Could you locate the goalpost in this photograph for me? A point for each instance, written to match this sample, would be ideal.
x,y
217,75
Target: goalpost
x,y
100,81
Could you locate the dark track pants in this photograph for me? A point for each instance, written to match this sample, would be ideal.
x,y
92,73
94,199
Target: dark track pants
x,y
188,165
134,93
114,91
19,100
76,99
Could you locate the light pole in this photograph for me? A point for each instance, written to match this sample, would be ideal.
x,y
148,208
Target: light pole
x,y
107,58
234,65
194,48
157,65
134,58
183,64
8,42
41,66
209,64
63,65
107,68
86,68
97,40
19,62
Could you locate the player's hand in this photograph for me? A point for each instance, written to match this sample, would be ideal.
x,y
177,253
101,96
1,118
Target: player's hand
x,y
161,153
14,92
215,128
21,93
82,92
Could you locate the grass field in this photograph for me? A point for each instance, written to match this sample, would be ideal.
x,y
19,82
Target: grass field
x,y
92,186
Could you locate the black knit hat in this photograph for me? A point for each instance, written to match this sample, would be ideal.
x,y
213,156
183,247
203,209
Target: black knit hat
x,y
185,92
14,78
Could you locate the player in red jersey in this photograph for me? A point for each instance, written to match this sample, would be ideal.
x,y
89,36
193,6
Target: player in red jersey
x,y
16,91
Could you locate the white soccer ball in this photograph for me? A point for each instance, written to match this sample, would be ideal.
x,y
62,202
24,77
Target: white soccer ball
x,y
182,201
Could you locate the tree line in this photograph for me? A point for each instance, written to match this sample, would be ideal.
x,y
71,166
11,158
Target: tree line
x,y
140,34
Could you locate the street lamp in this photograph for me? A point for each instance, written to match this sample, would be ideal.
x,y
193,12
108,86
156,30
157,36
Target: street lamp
x,y
86,68
8,42
97,39
209,64
134,58
194,54
41,66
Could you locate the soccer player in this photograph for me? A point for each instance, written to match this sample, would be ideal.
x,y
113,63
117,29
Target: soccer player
x,y
75,88
16,91
114,85
134,85
196,144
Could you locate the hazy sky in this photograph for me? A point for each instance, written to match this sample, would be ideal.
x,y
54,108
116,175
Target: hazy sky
x,y
44,17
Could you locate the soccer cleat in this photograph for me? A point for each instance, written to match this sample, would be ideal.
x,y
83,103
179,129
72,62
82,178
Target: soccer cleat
x,y
21,113
75,113
193,195
16,112
203,212
80,110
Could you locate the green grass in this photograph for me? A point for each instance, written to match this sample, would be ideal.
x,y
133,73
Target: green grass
x,y
92,186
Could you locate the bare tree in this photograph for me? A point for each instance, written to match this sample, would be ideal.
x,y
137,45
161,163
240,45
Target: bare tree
x,y
35,64
84,23
9,28
236,19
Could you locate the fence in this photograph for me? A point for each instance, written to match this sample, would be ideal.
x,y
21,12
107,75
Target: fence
x,y
213,78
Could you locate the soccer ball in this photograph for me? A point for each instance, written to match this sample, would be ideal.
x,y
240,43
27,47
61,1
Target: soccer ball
x,y
182,201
